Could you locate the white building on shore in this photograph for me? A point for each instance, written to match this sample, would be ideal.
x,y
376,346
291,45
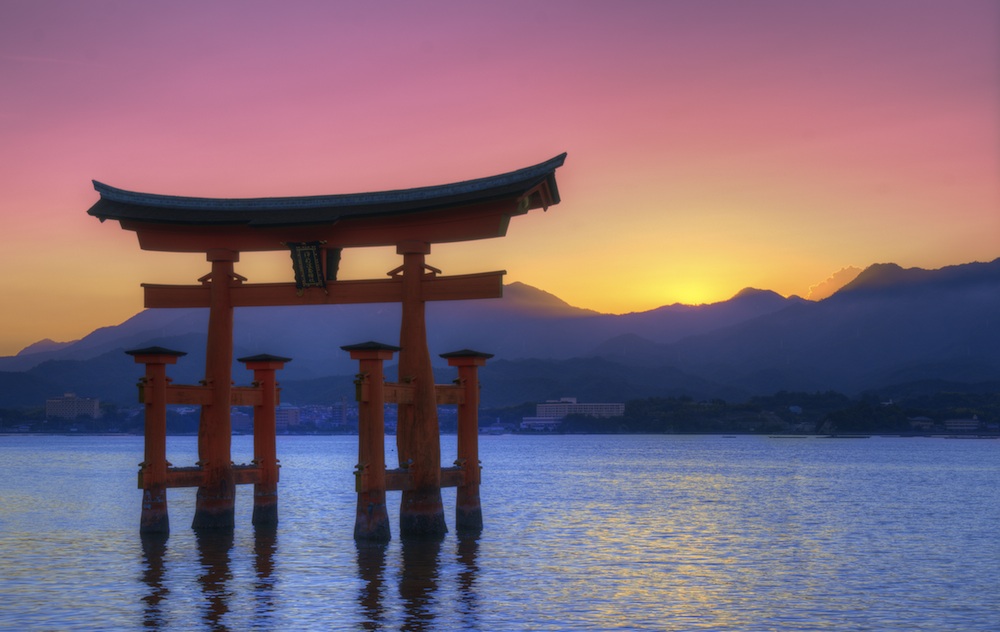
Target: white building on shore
x,y
550,414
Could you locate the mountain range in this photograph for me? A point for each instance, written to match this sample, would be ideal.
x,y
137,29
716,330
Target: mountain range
x,y
888,326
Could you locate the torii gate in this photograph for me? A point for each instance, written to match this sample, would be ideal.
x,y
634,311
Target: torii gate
x,y
316,229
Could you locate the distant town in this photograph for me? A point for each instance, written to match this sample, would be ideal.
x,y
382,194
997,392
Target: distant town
x,y
962,414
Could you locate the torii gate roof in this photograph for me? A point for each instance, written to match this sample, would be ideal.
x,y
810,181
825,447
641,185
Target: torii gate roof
x,y
461,211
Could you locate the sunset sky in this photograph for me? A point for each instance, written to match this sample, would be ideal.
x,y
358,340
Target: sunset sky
x,y
713,144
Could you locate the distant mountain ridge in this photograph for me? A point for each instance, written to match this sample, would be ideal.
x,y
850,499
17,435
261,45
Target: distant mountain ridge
x,y
892,277
888,325
44,345
525,323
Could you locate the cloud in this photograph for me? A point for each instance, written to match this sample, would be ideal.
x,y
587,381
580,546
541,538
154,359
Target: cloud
x,y
838,280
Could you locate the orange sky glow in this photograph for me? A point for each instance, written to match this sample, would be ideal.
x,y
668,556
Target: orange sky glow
x,y
713,145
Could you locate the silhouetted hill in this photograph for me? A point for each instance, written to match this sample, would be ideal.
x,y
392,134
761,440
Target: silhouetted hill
x,y
525,323
25,390
140,330
526,301
44,345
676,322
890,325
889,278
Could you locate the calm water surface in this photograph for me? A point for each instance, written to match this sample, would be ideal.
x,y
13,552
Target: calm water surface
x,y
582,533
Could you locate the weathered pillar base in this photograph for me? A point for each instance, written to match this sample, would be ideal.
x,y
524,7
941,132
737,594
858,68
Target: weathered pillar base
x,y
154,517
421,514
372,521
215,507
468,510
265,506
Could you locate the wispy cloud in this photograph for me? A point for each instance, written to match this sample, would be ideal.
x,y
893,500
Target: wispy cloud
x,y
838,280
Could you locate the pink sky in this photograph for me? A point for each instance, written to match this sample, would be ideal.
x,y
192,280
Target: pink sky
x,y
713,144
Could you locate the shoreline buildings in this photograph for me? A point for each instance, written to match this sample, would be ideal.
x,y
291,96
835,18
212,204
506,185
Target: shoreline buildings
x,y
550,414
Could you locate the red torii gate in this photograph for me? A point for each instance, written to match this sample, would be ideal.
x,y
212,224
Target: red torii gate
x,y
316,229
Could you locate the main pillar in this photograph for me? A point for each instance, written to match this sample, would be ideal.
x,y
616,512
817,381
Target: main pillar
x,y
153,475
468,510
421,511
372,519
214,507
265,453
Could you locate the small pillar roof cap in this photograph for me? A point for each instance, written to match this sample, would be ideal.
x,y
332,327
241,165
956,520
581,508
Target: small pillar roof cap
x,y
371,345
466,353
156,351
263,357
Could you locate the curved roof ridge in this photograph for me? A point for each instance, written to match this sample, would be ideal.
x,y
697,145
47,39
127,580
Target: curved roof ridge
x,y
539,171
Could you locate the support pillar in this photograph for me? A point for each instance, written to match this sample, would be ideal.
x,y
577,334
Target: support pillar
x,y
265,457
468,510
372,518
153,475
421,511
214,507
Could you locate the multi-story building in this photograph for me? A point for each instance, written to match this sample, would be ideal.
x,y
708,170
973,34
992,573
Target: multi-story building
x,y
549,414
286,417
69,406
569,406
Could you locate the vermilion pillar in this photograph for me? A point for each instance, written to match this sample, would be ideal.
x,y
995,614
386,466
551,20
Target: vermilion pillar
x,y
372,519
265,453
214,508
421,512
468,510
153,475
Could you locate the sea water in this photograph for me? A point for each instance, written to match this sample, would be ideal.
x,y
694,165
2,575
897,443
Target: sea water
x,y
581,533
